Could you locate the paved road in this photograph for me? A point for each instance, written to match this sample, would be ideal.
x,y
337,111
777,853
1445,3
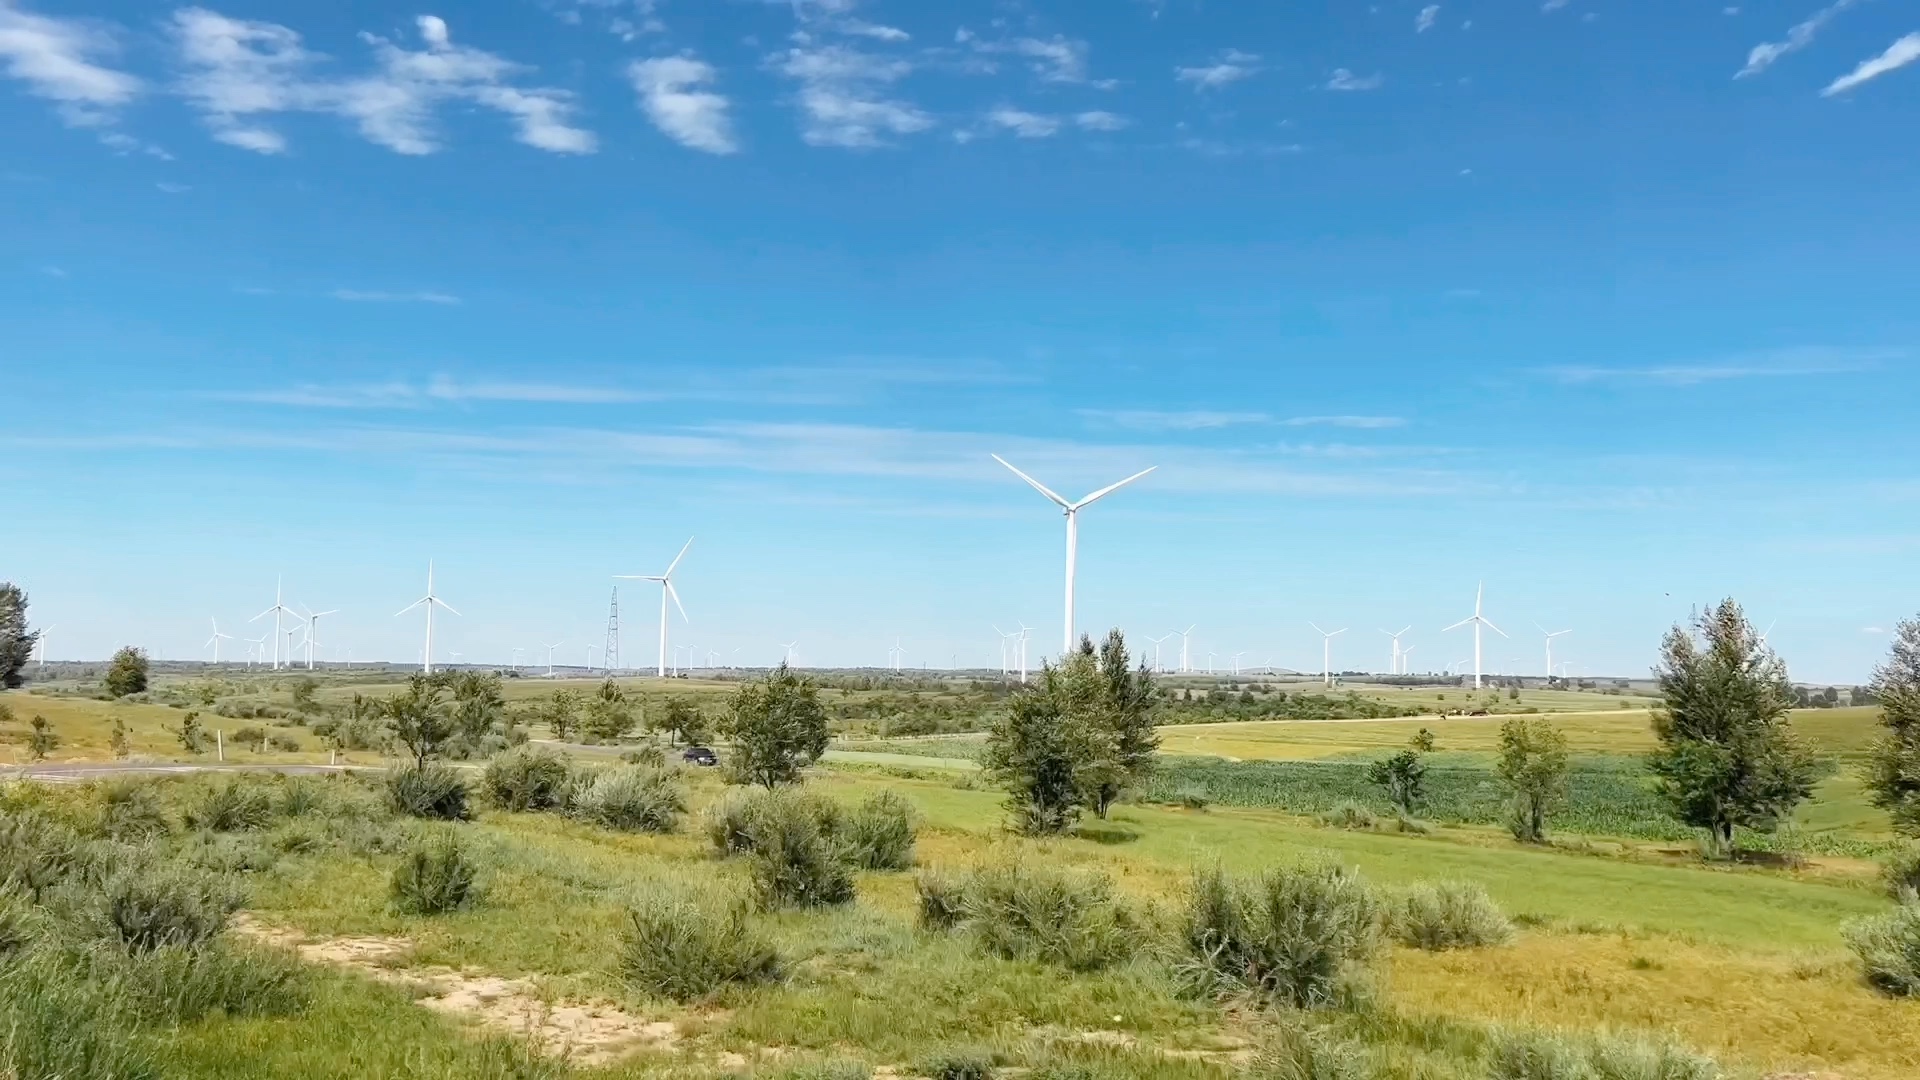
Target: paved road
x,y
80,772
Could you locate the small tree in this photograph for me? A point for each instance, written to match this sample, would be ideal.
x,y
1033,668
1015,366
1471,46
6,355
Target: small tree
x,y
1533,766
127,674
1893,765
41,741
562,712
777,726
1423,741
1038,747
1727,757
478,703
682,721
192,736
302,692
117,742
1124,739
609,713
16,641
1403,777
421,718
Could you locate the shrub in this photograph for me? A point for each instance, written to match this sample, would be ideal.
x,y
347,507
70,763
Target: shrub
x,y
686,950
253,738
526,778
1349,815
1193,798
229,853
942,897
1447,915
1299,936
634,798
37,853
234,806
1059,917
301,797
1623,1057
173,984
827,1070
1901,872
283,742
427,791
151,907
127,673
644,755
795,861
54,1026
1545,1055
879,834
731,821
434,877
1889,950
298,838
957,1063
1296,1050
131,810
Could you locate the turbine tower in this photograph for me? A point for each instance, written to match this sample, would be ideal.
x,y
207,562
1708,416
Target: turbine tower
x,y
610,656
278,609
41,640
1478,620
1186,666
788,646
1551,634
550,649
214,641
1156,652
1326,652
313,624
666,590
1072,510
1398,654
428,601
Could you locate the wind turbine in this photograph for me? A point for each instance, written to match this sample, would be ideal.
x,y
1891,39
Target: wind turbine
x,y
1768,631
214,641
1156,652
276,611
428,601
590,648
788,646
666,590
1397,653
42,642
1236,661
313,624
1072,510
1025,630
550,649
1326,652
1185,635
1404,653
1210,655
259,649
1551,634
1478,620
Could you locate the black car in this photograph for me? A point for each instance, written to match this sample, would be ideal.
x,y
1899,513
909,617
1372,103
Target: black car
x,y
699,755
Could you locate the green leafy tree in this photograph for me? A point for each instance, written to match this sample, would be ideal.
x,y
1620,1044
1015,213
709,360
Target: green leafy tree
x,y
1727,757
681,720
16,641
42,740
127,674
191,733
1533,767
302,691
117,742
208,693
1423,741
422,719
1403,776
1122,735
562,713
1037,749
1893,765
777,726
609,713
478,703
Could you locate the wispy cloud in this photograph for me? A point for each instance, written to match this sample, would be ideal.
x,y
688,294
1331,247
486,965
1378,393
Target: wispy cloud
x,y
1898,55
1367,422
1343,79
172,189
1873,629
1229,67
1788,363
1058,59
1424,21
1100,120
1155,420
1024,124
1799,36
58,59
53,271
365,296
671,92
846,97
440,389
876,31
240,71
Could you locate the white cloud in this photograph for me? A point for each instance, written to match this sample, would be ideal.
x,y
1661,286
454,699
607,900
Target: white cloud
x,y
1898,55
1362,422
1784,363
1424,21
1798,37
1554,5
241,70
844,96
1346,80
693,117
875,31
56,59
1187,420
1024,124
53,271
1100,120
1873,630
172,189
1231,66
364,296
1057,59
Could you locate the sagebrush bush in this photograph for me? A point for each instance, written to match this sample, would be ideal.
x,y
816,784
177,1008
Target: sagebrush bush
x,y
1889,949
149,907
435,876
131,810
1193,798
633,798
175,984
56,1026
795,861
878,834
1349,815
649,754
1065,917
430,791
229,853
1296,1050
1547,1055
957,1063
1447,915
942,899
301,797
234,806
688,949
1901,872
1627,1057
298,838
37,853
527,778
732,820
1300,936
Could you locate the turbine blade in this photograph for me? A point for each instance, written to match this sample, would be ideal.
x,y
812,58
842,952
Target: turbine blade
x,y
263,614
1111,488
1459,624
677,558
446,605
668,585
1488,623
1316,629
1037,485
1338,632
411,606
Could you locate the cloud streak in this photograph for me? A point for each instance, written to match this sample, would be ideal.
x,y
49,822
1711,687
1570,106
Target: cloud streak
x,y
845,96
1898,55
1230,67
1790,363
59,61
1343,79
1799,36
672,94
1208,420
365,296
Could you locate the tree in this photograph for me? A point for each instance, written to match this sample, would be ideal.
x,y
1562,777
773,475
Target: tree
x,y
1403,776
777,726
1727,757
42,740
193,737
421,718
127,674
1423,741
561,712
1123,737
302,692
16,641
478,703
609,714
1533,766
1893,764
1036,748
681,720
117,742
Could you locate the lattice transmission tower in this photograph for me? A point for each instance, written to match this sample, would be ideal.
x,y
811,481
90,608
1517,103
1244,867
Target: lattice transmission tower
x,y
612,652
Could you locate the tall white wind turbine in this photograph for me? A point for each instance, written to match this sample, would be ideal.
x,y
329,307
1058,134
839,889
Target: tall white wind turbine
x,y
1326,652
42,642
666,590
278,609
788,646
1397,653
429,601
1186,637
550,649
313,627
1551,634
215,640
1477,620
1072,510
1156,652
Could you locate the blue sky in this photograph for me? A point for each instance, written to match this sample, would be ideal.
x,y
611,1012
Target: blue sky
x,y
1611,304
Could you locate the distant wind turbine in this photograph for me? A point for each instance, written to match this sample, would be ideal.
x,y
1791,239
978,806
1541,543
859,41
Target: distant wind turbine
x,y
1072,510
258,649
1477,620
428,601
1326,652
550,649
1551,634
1186,635
1397,653
215,640
788,646
278,609
42,642
1156,651
313,627
666,590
